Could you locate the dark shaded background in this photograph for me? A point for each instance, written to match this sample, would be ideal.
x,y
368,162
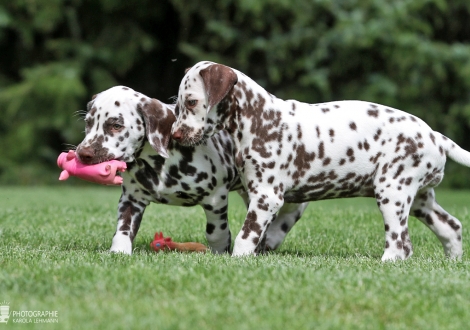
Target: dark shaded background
x,y
54,54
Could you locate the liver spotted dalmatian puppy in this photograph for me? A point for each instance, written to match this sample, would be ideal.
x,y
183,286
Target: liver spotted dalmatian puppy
x,y
126,125
288,151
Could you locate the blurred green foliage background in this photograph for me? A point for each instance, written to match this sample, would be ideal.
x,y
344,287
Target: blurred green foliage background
x,y
55,54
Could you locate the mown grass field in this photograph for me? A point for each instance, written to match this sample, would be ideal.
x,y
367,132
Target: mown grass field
x,y
327,274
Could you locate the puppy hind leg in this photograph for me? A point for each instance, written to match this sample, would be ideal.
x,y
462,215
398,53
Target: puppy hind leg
x,y
286,218
446,227
217,229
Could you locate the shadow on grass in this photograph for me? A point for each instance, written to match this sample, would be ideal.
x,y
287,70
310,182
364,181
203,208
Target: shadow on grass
x,y
316,254
143,246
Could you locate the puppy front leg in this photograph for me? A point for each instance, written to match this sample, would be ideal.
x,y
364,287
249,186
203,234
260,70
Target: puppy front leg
x,y
130,212
261,212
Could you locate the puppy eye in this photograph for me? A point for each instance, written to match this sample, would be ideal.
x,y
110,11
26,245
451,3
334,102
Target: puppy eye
x,y
117,127
191,103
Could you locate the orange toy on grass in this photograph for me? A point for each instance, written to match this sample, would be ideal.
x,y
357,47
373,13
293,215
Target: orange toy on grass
x,y
165,243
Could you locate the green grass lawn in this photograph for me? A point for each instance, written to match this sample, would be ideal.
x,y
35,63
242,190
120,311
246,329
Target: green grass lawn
x,y
327,274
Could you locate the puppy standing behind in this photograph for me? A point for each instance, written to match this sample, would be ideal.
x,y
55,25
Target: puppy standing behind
x,y
126,125
288,151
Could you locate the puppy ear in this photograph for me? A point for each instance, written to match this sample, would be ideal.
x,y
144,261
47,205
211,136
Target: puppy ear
x,y
218,81
158,121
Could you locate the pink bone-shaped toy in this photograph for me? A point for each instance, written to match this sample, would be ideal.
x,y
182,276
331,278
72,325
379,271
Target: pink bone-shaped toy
x,y
104,173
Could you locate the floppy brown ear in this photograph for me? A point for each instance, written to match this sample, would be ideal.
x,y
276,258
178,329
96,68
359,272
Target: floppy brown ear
x,y
158,120
218,81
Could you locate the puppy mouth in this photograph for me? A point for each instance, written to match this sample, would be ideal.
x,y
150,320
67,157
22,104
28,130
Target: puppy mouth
x,y
189,138
97,159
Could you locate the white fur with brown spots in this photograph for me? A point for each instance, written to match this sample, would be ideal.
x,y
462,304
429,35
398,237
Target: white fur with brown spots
x,y
288,151
126,125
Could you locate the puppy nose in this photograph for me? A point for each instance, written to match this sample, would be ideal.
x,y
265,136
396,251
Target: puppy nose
x,y
177,135
86,154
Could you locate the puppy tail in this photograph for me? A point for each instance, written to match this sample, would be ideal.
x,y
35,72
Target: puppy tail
x,y
455,152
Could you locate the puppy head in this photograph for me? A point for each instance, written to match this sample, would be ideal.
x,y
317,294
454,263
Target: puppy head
x,y
203,87
117,123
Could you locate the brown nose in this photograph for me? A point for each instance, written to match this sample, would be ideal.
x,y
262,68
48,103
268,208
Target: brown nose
x,y
86,154
177,135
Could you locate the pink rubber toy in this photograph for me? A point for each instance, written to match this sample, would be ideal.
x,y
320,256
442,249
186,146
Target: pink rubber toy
x,y
104,173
